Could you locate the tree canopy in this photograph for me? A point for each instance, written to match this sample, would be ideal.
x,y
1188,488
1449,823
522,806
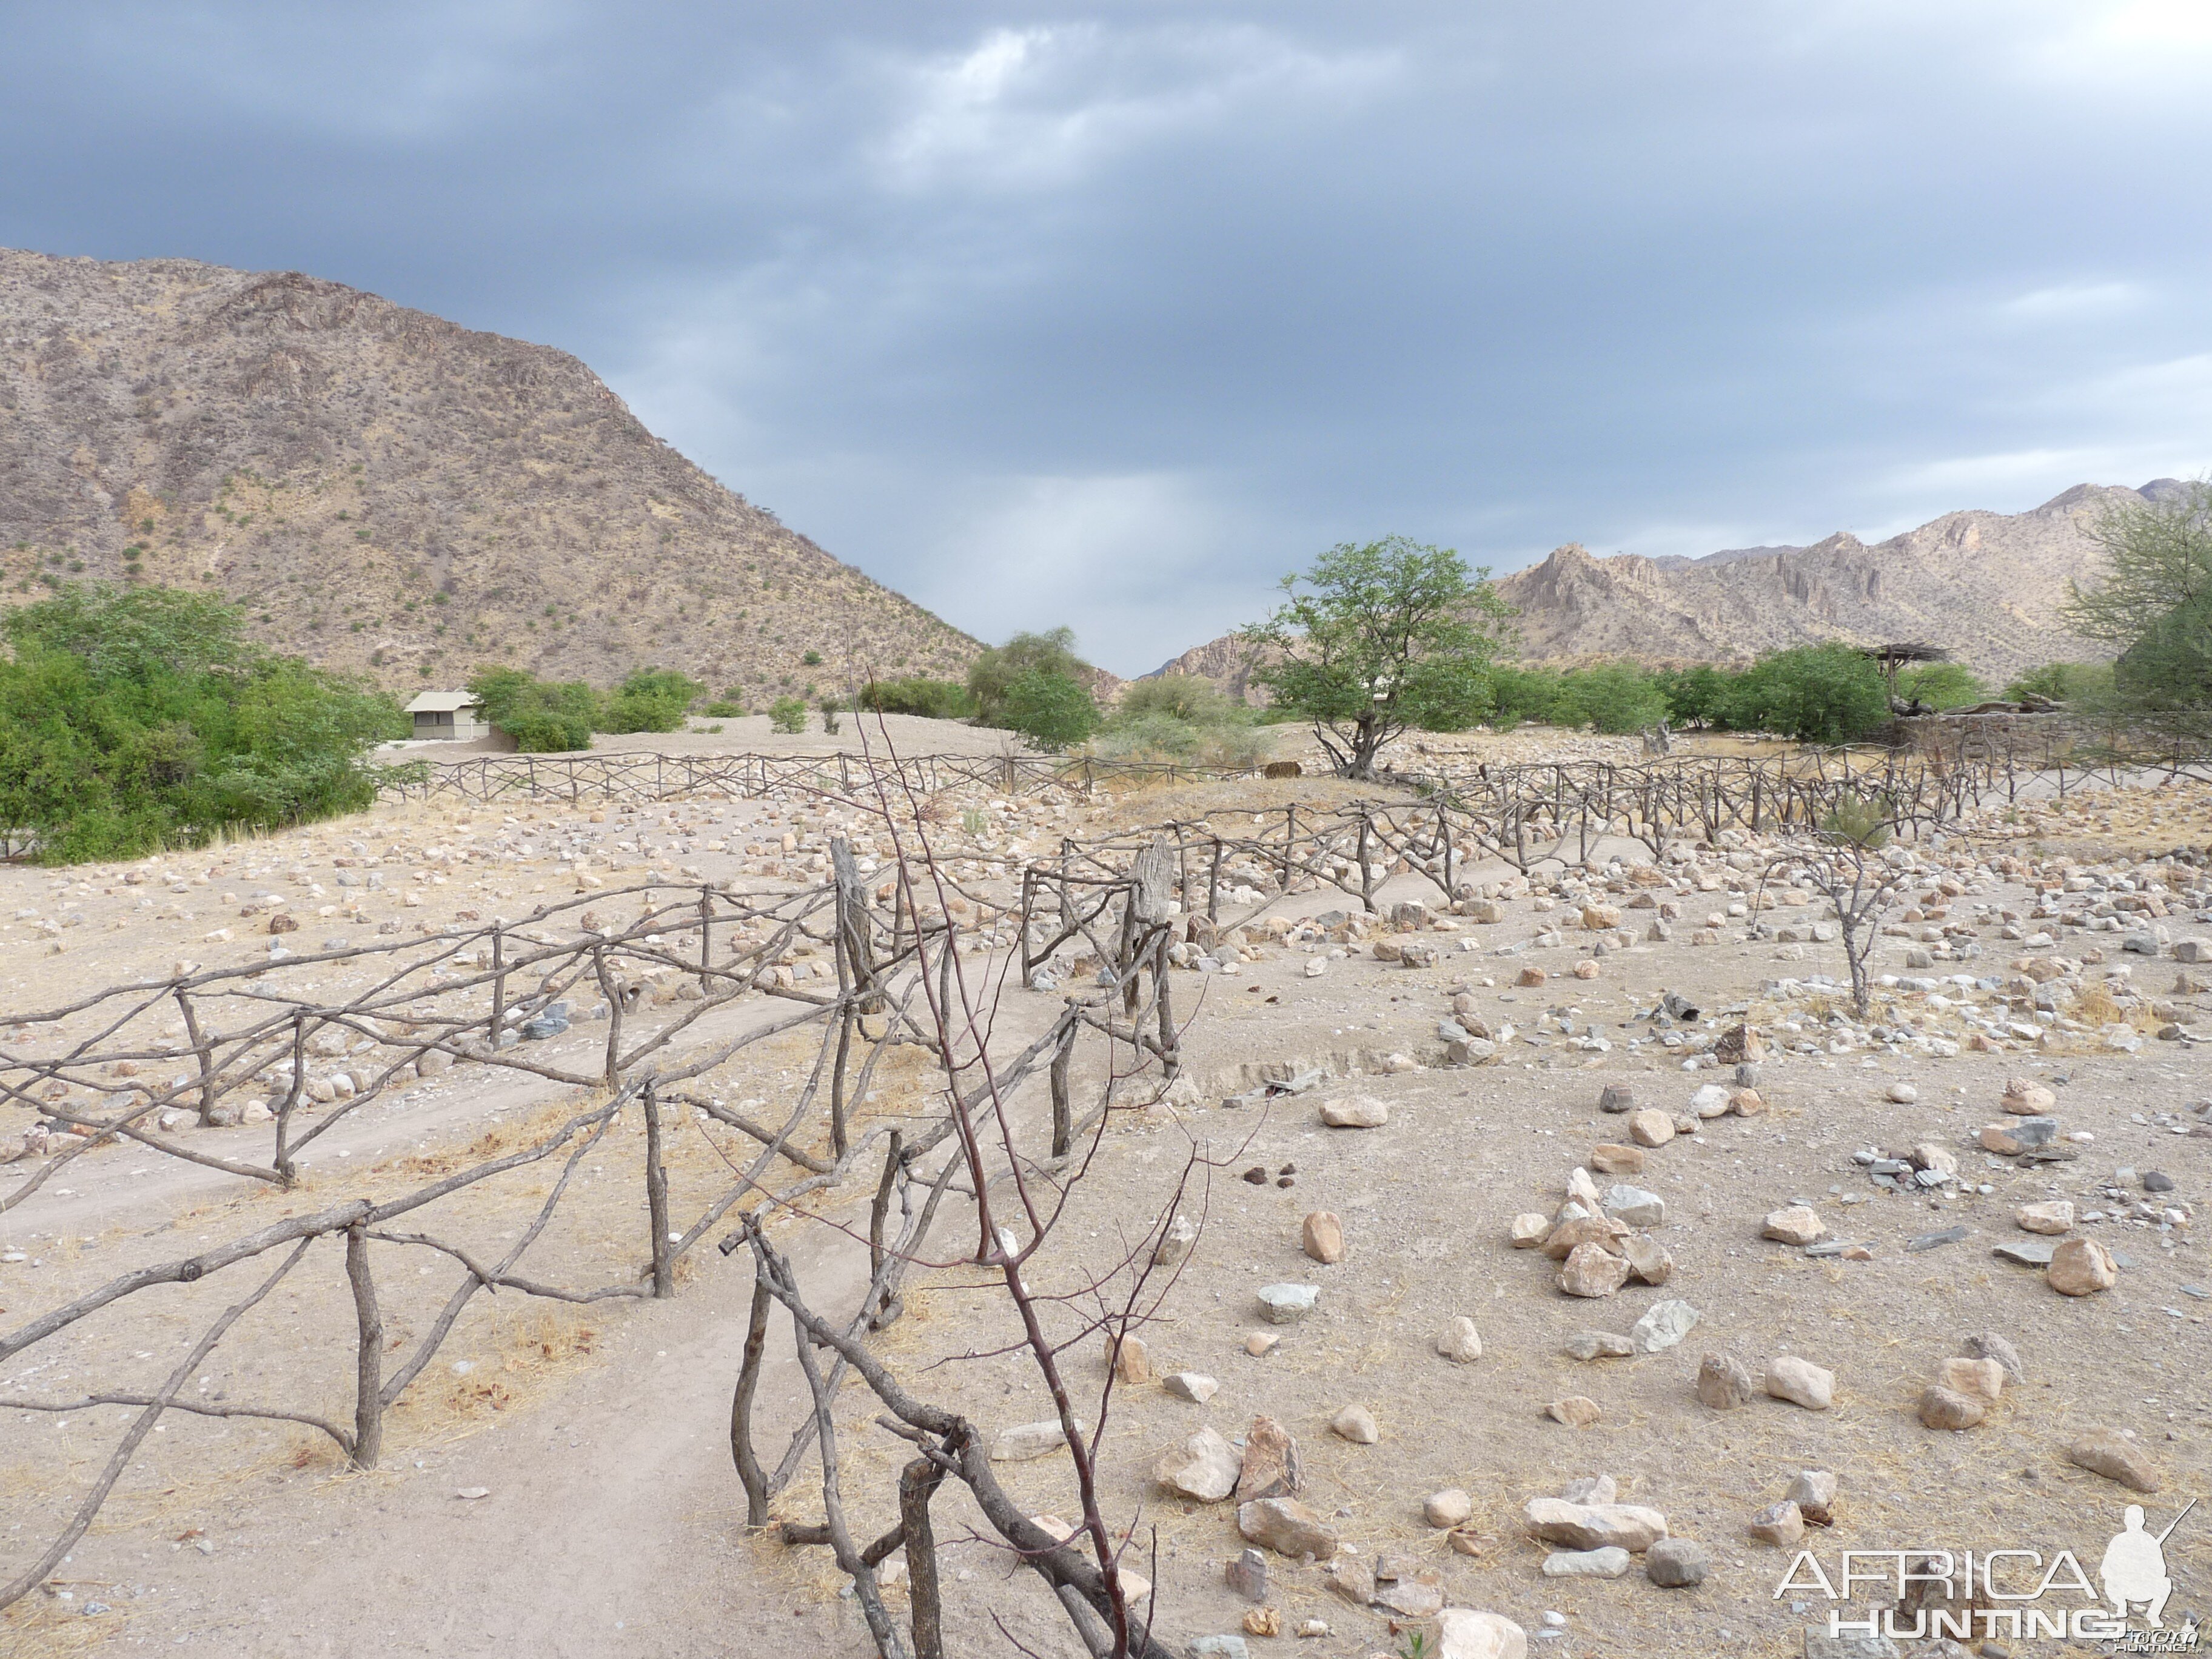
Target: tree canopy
x,y
1378,639
2153,603
137,718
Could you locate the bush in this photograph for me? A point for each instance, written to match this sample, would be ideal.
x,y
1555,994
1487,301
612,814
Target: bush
x,y
1697,695
1941,685
1534,696
1048,708
829,713
1180,717
723,708
651,700
787,715
1613,697
2063,682
991,677
140,719
1815,694
1182,697
540,715
940,700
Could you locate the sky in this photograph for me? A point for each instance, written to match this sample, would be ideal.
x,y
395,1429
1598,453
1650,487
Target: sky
x,y
1112,314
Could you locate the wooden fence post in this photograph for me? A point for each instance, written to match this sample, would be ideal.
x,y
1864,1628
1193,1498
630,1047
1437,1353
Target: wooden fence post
x,y
368,1359
202,1051
656,1197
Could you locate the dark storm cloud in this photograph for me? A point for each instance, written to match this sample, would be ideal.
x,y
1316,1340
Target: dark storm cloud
x,y
1111,314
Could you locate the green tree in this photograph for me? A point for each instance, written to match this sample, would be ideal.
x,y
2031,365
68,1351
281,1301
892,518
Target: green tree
x,y
1697,695
991,677
650,700
2156,593
1049,707
540,716
787,715
943,699
1813,693
2063,682
1378,640
139,718
1942,685
1614,697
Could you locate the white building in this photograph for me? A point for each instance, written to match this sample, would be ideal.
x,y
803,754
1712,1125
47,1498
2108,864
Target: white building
x,y
448,717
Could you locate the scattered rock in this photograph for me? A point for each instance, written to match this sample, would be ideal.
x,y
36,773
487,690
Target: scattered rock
x,y
1724,1381
1711,1101
1634,1207
1351,1577
1649,1263
1286,1304
1616,1098
1248,1577
1814,1492
1795,1225
1676,1563
1980,1379
1577,1410
1412,1595
1610,1563
1650,1127
1591,1270
1782,1525
2057,1216
1355,1112
2022,1134
1023,1441
1270,1466
1322,1237
1598,1345
1903,1094
1357,1424
1988,1345
1463,1634
1947,1408
1203,1466
1663,1325
1451,1507
1594,1525
1460,1342
2025,1098
1218,1647
1801,1382
2082,1267
2114,1455
1529,1230
1175,1240
1579,1226
1193,1386
1286,1527
1607,1158
1131,1359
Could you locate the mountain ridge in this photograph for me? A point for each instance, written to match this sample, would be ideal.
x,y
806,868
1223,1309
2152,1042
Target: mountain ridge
x,y
387,491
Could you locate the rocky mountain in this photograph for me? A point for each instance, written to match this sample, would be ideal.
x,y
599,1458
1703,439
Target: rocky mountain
x,y
389,492
1986,586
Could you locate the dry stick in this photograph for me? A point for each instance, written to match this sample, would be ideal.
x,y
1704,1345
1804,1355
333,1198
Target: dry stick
x,y
75,1529
918,1483
750,1472
656,1199
881,1208
344,1438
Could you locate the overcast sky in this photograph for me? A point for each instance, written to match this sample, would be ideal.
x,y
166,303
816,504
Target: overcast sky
x,y
1111,314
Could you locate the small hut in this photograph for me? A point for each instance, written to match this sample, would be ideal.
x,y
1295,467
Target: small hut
x,y
1892,658
448,717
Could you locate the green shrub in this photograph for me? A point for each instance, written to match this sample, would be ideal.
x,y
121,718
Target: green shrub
x,y
650,700
1533,695
829,713
1180,717
991,677
540,715
1697,695
1941,685
1813,693
1048,708
942,700
140,719
2063,682
723,708
787,715
1612,697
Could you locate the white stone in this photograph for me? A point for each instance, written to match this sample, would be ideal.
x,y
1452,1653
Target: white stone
x,y
1025,1440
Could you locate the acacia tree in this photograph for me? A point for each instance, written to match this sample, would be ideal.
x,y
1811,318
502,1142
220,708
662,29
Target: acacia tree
x,y
2155,603
1378,640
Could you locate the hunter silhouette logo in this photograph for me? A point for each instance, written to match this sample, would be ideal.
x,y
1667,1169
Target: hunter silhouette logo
x,y
2012,1593
2133,1567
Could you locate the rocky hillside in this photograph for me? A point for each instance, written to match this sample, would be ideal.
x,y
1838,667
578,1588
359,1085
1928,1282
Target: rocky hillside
x,y
389,492
1987,585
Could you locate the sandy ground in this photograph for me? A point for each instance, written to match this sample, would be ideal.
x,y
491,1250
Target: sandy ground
x,y
609,1524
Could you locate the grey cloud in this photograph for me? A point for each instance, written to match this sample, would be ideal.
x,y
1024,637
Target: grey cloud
x,y
1111,315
